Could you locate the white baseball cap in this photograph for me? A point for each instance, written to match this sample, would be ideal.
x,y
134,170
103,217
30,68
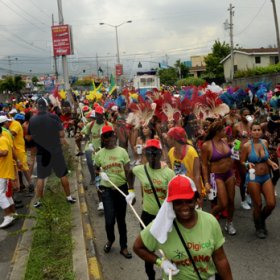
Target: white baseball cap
x,y
4,119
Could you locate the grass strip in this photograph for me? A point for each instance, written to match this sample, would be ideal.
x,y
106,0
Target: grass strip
x,y
51,252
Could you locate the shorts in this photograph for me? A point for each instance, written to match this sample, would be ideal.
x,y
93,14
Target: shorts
x,y
259,179
46,162
5,202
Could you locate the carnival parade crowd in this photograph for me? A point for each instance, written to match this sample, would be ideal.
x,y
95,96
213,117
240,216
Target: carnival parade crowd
x,y
187,148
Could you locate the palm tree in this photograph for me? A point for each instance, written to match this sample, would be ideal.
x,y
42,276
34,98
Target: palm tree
x,y
12,84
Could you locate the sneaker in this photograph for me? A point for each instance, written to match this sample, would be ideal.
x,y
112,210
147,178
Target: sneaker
x,y
229,228
37,204
260,233
7,221
71,199
100,206
245,205
248,200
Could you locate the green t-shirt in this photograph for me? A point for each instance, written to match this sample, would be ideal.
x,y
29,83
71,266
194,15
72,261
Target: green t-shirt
x,y
112,162
94,132
202,240
160,178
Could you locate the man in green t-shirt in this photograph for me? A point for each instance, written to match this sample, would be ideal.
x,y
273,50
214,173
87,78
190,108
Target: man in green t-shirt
x,y
160,175
199,249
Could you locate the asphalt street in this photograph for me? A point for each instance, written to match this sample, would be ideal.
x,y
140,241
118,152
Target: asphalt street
x,y
250,258
9,236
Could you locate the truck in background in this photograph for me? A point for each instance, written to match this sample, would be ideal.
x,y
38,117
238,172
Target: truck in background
x,y
145,81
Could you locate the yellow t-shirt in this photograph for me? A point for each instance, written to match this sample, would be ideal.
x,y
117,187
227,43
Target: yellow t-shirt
x,y
6,162
19,144
7,134
183,166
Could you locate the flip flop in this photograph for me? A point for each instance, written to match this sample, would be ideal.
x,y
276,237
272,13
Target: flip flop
x,y
126,254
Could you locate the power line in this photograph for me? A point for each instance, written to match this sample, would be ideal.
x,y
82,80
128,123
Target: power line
x,y
17,43
26,42
262,6
20,8
21,15
42,11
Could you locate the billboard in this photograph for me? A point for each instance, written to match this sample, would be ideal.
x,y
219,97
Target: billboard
x,y
62,40
119,70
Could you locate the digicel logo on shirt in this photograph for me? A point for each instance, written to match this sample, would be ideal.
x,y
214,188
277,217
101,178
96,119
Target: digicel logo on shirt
x,y
198,246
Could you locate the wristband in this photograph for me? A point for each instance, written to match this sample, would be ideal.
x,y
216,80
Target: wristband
x,y
159,262
130,190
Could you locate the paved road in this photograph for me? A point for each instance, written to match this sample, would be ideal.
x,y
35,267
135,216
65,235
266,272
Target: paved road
x,y
8,240
250,258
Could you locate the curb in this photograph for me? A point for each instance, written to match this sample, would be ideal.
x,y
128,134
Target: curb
x,y
22,250
94,267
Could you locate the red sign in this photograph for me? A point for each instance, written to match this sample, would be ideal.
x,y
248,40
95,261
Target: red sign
x,y
62,41
119,69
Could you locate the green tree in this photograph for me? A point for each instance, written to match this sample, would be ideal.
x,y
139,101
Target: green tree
x,y
214,69
182,69
168,76
35,80
13,84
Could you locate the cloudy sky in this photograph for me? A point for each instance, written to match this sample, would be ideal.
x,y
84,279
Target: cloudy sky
x,y
161,30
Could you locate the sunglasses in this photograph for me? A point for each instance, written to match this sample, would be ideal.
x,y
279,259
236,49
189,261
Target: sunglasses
x,y
108,135
152,152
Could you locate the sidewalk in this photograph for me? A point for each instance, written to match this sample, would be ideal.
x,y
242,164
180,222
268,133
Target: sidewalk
x,y
85,263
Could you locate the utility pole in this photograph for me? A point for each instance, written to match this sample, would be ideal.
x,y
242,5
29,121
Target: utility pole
x,y
276,28
10,65
97,65
54,58
64,57
231,13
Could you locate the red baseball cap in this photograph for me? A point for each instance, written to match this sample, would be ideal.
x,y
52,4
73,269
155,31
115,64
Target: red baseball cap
x,y
99,110
181,187
106,128
178,134
153,143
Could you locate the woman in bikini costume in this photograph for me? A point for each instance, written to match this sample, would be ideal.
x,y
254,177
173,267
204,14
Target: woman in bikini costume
x,y
255,157
217,171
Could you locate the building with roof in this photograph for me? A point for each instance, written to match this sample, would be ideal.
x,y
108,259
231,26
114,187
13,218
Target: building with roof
x,y
198,65
249,58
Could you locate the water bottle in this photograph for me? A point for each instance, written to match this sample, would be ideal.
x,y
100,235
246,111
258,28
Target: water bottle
x,y
252,174
139,149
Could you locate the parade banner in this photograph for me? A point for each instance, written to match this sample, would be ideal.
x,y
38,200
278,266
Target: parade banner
x,y
62,40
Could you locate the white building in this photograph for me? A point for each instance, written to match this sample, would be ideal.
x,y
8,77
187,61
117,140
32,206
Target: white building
x,y
249,58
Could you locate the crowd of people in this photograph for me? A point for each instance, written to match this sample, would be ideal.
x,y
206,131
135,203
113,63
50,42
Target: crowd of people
x,y
185,148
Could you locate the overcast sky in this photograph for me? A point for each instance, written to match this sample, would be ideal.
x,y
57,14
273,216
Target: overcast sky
x,y
160,30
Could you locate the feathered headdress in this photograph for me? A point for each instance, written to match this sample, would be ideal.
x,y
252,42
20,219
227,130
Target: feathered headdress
x,y
168,107
141,113
209,106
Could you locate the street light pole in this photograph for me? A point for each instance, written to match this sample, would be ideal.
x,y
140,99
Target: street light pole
x,y
117,37
117,40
